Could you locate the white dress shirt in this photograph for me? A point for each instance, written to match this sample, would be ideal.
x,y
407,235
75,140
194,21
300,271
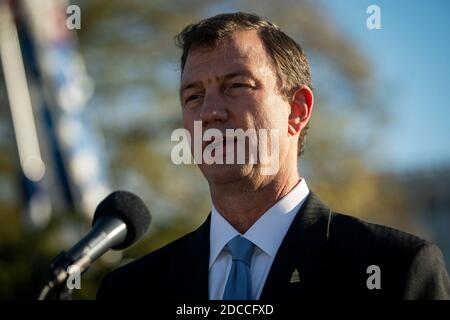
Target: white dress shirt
x,y
266,234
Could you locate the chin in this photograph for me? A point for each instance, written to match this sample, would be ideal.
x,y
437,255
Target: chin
x,y
220,174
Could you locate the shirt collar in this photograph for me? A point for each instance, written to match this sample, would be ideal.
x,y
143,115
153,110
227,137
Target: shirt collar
x,y
267,232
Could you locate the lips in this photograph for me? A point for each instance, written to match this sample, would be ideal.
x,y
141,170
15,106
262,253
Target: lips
x,y
219,142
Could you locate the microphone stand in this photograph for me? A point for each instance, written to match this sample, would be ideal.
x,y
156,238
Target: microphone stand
x,y
56,287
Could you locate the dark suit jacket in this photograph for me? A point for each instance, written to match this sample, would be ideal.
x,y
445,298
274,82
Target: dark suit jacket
x,y
330,251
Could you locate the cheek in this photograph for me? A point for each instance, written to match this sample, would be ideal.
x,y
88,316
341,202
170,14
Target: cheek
x,y
260,107
188,118
188,124
242,111
192,123
270,113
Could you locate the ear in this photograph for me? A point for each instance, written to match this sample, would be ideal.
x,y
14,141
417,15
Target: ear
x,y
301,110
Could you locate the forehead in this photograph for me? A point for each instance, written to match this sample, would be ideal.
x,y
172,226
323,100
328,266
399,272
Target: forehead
x,y
243,51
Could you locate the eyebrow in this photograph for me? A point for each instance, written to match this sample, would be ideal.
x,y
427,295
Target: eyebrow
x,y
225,77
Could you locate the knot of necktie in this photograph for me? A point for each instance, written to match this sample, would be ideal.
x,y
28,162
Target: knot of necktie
x,y
241,249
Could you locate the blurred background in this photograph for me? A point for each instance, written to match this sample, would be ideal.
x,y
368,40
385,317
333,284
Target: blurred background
x,y
87,106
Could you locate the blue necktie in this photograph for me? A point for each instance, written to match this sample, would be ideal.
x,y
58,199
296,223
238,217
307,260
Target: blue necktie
x,y
239,282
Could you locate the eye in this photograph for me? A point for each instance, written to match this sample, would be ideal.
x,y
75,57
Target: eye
x,y
238,85
192,98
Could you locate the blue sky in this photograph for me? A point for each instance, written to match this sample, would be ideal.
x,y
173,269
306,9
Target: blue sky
x,y
411,61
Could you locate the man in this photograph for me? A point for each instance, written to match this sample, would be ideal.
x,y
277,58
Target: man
x,y
268,236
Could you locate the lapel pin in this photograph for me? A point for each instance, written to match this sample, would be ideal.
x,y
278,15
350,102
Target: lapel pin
x,y
295,277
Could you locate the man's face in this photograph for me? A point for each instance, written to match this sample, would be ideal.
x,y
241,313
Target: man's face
x,y
234,86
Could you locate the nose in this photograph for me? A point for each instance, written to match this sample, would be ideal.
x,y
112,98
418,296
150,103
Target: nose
x,y
213,110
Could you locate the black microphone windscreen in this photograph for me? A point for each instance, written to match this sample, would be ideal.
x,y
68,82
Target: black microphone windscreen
x,y
129,208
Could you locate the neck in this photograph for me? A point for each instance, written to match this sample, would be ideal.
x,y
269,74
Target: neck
x,y
244,202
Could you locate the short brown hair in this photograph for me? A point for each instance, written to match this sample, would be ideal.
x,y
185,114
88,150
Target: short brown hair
x,y
291,65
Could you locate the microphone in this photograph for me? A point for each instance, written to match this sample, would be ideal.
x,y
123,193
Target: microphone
x,y
120,220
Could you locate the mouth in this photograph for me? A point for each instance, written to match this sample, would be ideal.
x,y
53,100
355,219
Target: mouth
x,y
222,142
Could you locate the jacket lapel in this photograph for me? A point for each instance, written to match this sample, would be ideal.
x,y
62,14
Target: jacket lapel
x,y
297,267
190,270
295,257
